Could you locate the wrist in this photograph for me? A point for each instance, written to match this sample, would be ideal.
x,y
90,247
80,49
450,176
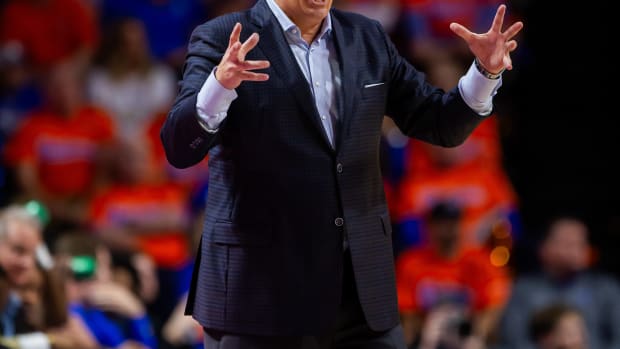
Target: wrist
x,y
485,72
224,84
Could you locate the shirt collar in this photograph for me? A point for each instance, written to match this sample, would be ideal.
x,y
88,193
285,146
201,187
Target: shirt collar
x,y
288,26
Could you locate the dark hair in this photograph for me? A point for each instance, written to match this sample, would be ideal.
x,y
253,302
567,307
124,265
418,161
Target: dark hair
x,y
444,210
546,319
552,222
109,54
54,298
123,261
76,243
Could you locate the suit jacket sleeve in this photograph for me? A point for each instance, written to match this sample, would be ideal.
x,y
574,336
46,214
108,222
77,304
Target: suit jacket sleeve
x,y
186,143
423,111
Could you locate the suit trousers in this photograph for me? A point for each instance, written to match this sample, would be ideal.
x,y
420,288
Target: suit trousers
x,y
351,332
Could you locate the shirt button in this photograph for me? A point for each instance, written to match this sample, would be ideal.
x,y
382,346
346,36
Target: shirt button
x,y
323,117
317,84
339,168
294,31
339,222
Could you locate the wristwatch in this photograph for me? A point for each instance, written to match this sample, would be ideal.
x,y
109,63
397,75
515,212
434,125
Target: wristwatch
x,y
485,72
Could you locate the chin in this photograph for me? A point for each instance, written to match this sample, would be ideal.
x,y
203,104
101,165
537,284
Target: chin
x,y
319,5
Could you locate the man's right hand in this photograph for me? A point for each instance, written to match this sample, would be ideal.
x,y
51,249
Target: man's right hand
x,y
234,69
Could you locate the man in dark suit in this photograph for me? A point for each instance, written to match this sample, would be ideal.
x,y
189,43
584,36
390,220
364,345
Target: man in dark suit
x,y
296,250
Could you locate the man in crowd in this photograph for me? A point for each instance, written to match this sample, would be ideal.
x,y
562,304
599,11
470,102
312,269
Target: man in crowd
x,y
564,278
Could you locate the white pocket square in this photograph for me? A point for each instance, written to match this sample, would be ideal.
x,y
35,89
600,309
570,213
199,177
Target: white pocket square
x,y
373,85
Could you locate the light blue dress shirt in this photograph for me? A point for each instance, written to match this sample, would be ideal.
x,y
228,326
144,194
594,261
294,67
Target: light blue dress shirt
x,y
214,100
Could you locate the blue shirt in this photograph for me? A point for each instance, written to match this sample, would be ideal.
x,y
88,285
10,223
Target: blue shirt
x,y
324,79
109,334
8,314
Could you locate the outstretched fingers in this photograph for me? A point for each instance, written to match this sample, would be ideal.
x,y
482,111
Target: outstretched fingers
x,y
461,31
248,46
498,21
233,51
250,76
507,61
234,36
513,30
254,65
511,45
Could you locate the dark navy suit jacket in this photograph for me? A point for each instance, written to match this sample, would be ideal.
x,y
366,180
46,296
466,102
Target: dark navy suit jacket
x,y
271,255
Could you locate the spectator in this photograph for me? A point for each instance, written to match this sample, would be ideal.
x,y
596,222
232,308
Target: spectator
x,y
50,31
448,286
558,327
128,74
45,306
18,96
168,23
564,278
471,174
20,237
113,315
57,151
11,312
141,213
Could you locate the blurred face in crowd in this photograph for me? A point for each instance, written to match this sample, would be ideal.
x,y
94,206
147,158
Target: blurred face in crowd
x,y
64,89
134,41
566,249
569,333
17,251
132,164
306,10
444,235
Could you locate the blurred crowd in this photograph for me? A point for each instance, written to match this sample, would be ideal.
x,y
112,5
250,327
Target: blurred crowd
x,y
98,232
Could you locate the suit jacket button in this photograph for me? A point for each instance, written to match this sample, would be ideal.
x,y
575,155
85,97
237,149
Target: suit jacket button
x,y
339,222
339,168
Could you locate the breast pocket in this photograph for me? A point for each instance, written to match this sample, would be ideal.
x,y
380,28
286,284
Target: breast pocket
x,y
372,103
371,90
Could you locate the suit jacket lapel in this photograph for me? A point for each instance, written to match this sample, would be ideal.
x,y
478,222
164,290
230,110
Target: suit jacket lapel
x,y
346,50
274,46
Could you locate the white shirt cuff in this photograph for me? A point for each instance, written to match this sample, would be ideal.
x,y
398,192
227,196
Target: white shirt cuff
x,y
213,102
477,90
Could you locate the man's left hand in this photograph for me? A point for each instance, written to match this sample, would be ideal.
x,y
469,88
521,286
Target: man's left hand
x,y
492,49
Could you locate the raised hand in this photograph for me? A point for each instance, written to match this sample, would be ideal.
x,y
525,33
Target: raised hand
x,y
492,49
234,69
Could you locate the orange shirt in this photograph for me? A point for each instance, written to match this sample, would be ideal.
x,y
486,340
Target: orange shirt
x,y
482,149
156,214
482,194
425,280
63,150
49,31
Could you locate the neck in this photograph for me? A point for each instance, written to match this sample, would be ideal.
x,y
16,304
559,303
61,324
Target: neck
x,y
309,33
308,25
560,275
447,251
